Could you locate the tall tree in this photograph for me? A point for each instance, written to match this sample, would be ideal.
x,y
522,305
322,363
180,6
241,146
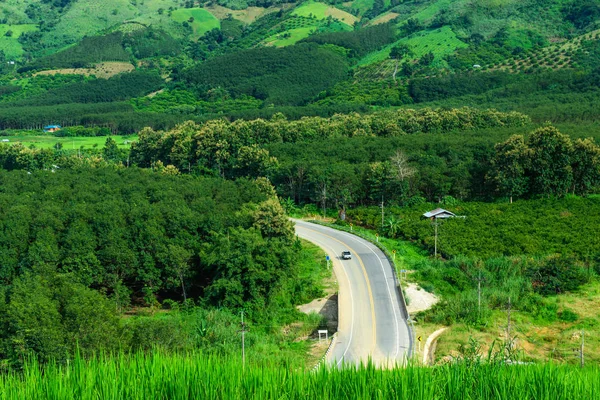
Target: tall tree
x,y
586,165
550,161
509,167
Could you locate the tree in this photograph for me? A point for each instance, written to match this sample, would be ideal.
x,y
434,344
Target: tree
x,y
111,150
399,52
508,170
585,162
550,162
271,220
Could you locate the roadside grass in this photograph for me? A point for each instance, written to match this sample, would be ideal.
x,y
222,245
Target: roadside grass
x,y
69,143
538,338
203,21
550,331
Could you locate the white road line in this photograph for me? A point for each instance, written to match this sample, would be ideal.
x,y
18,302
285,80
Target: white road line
x,y
351,297
361,241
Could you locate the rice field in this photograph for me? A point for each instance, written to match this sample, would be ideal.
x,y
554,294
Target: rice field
x,y
69,143
197,376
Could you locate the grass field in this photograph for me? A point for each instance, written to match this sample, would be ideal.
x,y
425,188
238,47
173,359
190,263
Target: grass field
x,y
101,70
203,22
10,45
247,15
199,376
47,142
441,41
383,18
322,11
296,35
538,339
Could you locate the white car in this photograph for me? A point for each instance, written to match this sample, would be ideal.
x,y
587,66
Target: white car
x,y
346,255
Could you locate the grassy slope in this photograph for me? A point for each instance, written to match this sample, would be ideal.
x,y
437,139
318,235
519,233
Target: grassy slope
x,y
441,41
203,22
538,339
10,45
322,11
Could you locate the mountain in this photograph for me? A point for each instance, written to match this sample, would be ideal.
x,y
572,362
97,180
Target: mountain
x,y
255,58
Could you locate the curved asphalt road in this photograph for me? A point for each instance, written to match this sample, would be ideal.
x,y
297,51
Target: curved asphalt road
x,y
372,322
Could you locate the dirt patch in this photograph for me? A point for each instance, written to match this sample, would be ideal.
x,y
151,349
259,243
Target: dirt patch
x,y
247,16
326,307
383,19
103,70
419,299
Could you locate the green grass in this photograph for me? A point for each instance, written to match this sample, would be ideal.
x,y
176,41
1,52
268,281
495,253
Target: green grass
x,y
296,35
322,11
47,141
203,22
198,376
10,45
441,42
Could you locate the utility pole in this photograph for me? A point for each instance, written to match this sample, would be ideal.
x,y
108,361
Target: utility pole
x,y
382,211
581,360
509,341
479,279
243,343
435,228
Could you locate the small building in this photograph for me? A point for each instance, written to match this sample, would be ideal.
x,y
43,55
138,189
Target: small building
x,y
5,140
439,213
52,128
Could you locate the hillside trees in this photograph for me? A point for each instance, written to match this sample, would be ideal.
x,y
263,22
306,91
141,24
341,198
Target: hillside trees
x,y
549,163
288,76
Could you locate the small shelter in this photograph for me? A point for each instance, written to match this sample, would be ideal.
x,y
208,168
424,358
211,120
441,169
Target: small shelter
x,y
52,128
439,213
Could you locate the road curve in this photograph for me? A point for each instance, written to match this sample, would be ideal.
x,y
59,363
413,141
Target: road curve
x,y
372,319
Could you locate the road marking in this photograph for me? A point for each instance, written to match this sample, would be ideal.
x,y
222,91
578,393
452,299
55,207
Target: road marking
x,y
366,279
351,304
352,237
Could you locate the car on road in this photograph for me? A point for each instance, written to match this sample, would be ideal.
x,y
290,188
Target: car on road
x,y
346,255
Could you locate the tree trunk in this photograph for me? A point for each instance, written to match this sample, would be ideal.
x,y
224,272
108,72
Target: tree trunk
x,y
395,71
510,199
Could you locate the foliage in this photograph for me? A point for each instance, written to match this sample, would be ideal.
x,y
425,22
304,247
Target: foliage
x,y
218,145
532,227
117,88
291,75
361,41
89,50
547,164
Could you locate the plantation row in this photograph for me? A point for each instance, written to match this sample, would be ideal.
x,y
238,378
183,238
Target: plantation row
x,y
532,227
213,142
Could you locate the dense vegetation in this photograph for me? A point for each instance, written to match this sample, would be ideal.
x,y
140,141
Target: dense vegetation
x,y
360,42
289,76
117,88
80,246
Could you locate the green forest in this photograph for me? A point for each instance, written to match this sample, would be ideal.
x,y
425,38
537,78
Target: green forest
x,y
135,238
